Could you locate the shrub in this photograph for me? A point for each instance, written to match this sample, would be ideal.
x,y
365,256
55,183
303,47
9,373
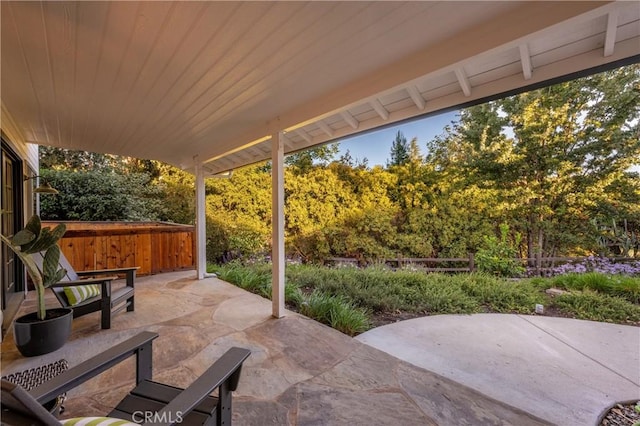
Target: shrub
x,y
615,285
590,305
499,295
342,297
439,297
603,265
226,242
498,257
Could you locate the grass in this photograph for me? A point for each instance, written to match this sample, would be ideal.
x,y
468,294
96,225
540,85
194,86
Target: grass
x,y
338,312
348,299
615,285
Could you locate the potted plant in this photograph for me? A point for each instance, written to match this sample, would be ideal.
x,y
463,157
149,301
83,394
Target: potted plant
x,y
45,330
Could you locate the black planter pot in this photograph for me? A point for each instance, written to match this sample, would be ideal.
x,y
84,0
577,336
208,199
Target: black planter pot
x,y
34,337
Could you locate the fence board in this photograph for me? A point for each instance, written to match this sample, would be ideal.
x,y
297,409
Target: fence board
x,y
153,246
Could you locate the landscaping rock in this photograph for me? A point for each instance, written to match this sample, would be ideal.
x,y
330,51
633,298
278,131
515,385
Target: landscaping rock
x,y
621,414
555,291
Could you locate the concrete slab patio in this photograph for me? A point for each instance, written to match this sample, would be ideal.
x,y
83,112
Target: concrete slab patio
x,y
563,370
300,372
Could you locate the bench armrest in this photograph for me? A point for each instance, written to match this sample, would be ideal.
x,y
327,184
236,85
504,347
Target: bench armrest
x,y
108,271
130,273
139,345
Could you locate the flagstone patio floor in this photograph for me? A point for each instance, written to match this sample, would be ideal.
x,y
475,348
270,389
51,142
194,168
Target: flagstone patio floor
x,y
300,372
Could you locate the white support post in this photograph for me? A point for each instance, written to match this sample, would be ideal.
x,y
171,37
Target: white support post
x,y
277,224
201,223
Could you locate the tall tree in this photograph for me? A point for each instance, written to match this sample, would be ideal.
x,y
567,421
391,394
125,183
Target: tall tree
x,y
69,159
549,152
399,154
305,160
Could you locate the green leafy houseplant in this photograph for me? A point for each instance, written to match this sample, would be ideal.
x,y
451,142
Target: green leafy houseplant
x,y
35,239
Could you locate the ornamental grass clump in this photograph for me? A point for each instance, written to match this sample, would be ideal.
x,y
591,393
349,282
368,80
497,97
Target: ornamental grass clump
x,y
614,285
335,311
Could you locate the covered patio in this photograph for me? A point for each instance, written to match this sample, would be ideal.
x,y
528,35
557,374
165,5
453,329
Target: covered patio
x,y
212,86
299,371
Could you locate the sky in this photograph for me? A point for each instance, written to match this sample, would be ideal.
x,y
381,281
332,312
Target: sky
x,y
376,146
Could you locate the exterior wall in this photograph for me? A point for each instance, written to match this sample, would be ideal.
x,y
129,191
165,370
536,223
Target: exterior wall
x,y
17,141
23,160
28,153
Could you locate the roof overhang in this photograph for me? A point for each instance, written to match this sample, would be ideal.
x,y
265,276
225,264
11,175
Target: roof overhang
x,y
209,82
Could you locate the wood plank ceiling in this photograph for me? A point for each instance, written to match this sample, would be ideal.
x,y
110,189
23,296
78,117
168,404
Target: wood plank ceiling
x,y
209,82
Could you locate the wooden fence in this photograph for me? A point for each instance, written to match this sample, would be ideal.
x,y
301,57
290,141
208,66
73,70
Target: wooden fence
x,y
426,264
153,246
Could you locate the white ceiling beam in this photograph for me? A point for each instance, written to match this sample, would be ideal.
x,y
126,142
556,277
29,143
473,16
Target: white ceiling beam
x,y
463,81
325,127
525,60
304,135
346,115
380,109
416,97
610,36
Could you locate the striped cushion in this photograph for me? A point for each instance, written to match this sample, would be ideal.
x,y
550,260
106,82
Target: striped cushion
x,y
80,293
97,421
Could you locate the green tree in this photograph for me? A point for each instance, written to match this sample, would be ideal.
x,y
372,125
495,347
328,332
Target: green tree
x,y
239,214
99,195
550,154
305,160
176,194
69,159
399,154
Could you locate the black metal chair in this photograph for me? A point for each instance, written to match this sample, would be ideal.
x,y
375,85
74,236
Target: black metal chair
x,y
149,401
110,301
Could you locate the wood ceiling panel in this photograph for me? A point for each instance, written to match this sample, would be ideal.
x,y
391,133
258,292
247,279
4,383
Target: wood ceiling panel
x,y
31,60
628,31
400,105
238,85
278,76
171,80
434,82
595,42
61,42
198,63
496,74
89,58
394,97
493,62
153,52
25,106
108,94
